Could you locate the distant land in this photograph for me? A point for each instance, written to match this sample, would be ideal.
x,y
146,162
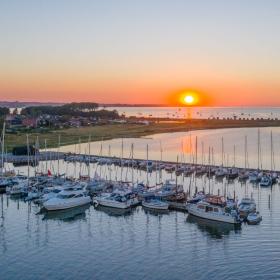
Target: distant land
x,y
20,104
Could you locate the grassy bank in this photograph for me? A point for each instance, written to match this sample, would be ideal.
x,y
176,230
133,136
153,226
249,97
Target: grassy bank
x,y
104,132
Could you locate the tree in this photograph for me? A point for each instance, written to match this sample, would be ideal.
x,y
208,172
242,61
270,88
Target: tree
x,y
15,111
83,109
4,111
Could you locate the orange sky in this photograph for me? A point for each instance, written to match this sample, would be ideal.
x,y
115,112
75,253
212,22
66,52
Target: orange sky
x,y
126,53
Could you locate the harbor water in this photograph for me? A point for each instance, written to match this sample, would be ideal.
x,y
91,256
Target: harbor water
x,y
103,243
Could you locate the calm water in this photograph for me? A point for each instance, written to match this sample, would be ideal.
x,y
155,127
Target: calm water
x,y
182,144
200,112
89,243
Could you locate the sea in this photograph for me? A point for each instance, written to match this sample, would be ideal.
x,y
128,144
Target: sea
x,y
199,112
103,243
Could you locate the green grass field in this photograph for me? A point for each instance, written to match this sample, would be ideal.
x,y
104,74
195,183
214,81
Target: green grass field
x,y
104,132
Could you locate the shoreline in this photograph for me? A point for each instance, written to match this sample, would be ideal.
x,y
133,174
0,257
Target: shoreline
x,y
71,136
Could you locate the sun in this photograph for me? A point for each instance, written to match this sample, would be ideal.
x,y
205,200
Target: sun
x,y
189,99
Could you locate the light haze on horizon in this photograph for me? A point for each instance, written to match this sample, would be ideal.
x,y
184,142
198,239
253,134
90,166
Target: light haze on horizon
x,y
140,51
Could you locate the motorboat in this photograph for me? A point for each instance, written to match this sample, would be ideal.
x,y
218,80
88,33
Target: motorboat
x,y
66,200
231,203
254,218
208,211
243,175
67,215
253,177
34,193
221,172
213,228
5,182
18,188
97,185
200,170
48,193
169,189
143,192
197,197
215,200
246,206
117,199
188,171
155,204
232,173
170,168
274,177
266,181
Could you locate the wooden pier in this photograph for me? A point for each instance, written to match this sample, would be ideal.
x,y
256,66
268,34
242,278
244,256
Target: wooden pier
x,y
85,158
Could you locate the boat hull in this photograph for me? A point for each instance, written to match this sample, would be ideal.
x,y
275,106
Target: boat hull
x,y
163,206
67,205
115,204
220,218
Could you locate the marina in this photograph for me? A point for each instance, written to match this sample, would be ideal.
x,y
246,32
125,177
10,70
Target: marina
x,y
99,235
140,140
202,191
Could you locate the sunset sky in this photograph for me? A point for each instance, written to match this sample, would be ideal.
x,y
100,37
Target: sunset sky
x,y
144,51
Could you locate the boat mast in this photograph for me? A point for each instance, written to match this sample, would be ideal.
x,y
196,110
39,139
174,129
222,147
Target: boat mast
x,y
176,174
271,152
258,149
191,150
222,151
75,161
234,151
37,148
246,153
195,152
147,167
28,163
80,161
89,146
58,151
212,152
122,161
132,162
202,153
209,162
46,157
3,147
110,168
160,174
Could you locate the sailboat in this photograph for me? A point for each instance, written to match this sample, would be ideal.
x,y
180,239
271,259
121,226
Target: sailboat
x,y
244,174
152,202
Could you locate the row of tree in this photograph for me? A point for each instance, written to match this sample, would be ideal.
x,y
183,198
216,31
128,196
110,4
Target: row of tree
x,y
83,109
4,111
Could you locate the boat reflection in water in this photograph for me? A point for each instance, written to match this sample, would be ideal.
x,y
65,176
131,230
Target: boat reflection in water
x,y
112,211
155,212
67,215
214,228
